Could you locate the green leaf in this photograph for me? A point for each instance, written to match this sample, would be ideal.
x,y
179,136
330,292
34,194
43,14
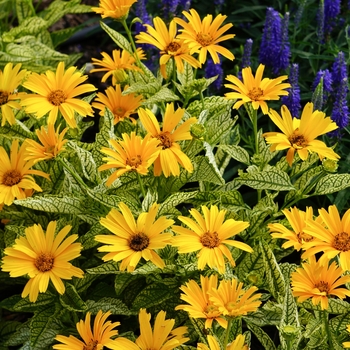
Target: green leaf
x,y
60,36
24,9
251,264
88,239
153,294
53,204
262,336
332,183
7,329
20,336
71,300
115,306
29,26
111,267
122,281
163,95
17,303
143,88
17,131
173,200
236,152
119,39
274,277
206,171
339,323
335,306
271,179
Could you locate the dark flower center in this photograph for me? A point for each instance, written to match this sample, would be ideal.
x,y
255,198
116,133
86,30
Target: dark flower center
x,y
304,237
322,286
255,93
204,39
11,178
342,242
44,262
210,239
165,139
297,140
91,346
57,97
172,47
138,242
134,162
4,97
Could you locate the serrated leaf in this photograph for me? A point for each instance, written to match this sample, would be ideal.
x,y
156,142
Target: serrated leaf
x,y
173,200
122,281
274,277
205,171
20,336
236,152
17,131
119,39
115,306
153,294
335,306
273,179
71,300
250,263
7,329
88,239
143,88
332,183
339,323
163,95
24,9
30,26
53,204
262,336
60,36
17,303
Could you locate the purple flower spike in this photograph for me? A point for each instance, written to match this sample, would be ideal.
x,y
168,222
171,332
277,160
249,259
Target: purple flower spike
x,y
141,12
292,101
247,53
331,12
339,69
327,82
320,22
212,70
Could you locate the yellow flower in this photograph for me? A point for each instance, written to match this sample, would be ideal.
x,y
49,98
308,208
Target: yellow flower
x,y
199,304
256,90
295,237
10,78
237,344
122,106
170,155
318,281
15,174
300,134
346,345
51,144
203,37
168,44
232,300
56,92
133,240
210,235
43,257
130,154
94,339
163,336
117,9
332,238
122,61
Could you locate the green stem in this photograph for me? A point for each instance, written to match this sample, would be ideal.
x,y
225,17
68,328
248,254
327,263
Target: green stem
x,y
228,329
255,130
202,99
328,331
141,185
174,75
76,177
128,32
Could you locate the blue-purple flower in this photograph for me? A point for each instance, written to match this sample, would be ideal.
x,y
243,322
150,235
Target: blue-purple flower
x,y
292,101
212,70
325,77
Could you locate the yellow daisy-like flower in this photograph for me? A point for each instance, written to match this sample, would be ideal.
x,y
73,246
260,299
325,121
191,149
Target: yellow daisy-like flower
x,y
170,155
210,235
237,344
133,240
319,282
95,339
199,304
117,9
346,345
255,89
122,106
296,237
162,337
15,174
168,44
51,144
43,257
10,78
116,67
332,237
204,37
300,134
131,154
232,300
56,92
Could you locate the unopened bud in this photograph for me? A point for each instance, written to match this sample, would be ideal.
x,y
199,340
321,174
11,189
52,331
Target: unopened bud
x,y
330,165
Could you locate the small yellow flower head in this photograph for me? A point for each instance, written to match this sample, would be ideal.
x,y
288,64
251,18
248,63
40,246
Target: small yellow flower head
x,y
116,9
43,256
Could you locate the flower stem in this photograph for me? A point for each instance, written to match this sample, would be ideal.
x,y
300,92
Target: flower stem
x,y
202,99
141,185
228,329
128,32
328,331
